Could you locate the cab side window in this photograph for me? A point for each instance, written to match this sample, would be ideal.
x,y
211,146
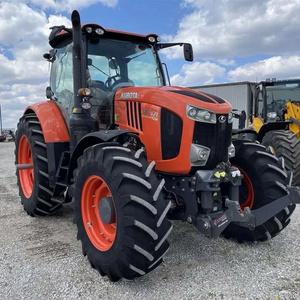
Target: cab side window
x,y
62,78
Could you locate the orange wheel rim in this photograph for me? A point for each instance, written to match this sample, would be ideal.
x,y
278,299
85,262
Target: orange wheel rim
x,y
249,201
25,157
101,235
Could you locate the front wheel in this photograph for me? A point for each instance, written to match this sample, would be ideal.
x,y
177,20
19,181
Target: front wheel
x,y
264,181
120,212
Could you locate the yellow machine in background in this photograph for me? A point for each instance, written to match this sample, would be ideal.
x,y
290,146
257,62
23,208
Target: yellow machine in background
x,y
275,117
293,114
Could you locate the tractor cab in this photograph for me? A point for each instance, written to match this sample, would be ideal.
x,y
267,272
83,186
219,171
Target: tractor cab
x,y
108,60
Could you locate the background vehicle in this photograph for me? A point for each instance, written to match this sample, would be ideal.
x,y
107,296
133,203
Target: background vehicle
x,y
272,109
238,94
133,156
2,137
9,134
276,119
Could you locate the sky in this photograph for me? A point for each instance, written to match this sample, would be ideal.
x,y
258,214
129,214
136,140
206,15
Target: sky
x,y
233,40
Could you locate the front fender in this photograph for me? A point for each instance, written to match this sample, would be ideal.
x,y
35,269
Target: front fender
x,y
89,140
283,125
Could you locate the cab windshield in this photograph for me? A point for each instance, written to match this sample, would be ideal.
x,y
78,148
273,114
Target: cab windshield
x,y
111,62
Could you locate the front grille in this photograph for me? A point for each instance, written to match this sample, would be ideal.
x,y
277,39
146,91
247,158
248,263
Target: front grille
x,y
217,137
171,130
134,116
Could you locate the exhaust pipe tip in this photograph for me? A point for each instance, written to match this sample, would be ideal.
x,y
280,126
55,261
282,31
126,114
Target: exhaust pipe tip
x,y
75,18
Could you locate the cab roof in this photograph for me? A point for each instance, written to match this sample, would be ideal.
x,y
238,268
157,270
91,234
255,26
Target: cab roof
x,y
60,35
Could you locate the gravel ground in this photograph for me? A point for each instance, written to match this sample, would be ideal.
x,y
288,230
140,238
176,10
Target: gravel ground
x,y
40,258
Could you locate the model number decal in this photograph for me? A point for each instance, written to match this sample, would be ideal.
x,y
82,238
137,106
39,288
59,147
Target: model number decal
x,y
150,114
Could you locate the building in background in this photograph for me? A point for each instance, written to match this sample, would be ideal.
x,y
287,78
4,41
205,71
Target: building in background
x,y
238,94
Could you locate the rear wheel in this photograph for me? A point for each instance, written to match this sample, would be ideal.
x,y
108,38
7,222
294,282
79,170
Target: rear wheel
x,y
284,143
120,212
264,181
33,182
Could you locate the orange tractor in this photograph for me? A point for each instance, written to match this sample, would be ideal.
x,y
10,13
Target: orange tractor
x,y
134,153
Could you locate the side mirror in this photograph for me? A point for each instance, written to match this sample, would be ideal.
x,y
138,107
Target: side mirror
x,y
49,93
188,52
51,56
47,56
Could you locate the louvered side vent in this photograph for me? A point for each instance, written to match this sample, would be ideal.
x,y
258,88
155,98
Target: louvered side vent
x,y
134,115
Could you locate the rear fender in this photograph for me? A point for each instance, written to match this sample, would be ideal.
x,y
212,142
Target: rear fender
x,y
55,132
53,124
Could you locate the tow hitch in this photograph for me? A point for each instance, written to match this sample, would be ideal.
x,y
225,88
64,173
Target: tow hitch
x,y
213,225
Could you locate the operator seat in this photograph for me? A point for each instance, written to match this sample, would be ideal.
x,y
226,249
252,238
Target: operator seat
x,y
101,101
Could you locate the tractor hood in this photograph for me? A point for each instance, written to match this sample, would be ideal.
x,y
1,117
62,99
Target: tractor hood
x,y
160,116
174,98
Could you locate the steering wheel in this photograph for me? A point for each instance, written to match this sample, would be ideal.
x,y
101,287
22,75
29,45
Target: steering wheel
x,y
117,81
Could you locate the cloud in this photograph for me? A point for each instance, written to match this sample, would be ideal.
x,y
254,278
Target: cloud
x,y
277,66
15,98
24,32
65,5
227,28
193,74
32,25
226,62
24,72
221,32
14,28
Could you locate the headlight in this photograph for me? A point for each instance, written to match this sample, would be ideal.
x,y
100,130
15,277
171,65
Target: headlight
x,y
193,112
230,117
272,115
199,155
99,31
200,114
86,104
89,29
231,151
151,39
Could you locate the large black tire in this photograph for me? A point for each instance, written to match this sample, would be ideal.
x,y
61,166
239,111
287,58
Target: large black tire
x,y
264,181
34,189
284,143
134,240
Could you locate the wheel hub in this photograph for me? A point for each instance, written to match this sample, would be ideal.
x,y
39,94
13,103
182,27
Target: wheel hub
x,y
106,210
98,213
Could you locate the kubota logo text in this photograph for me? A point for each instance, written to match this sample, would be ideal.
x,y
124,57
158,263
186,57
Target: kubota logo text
x,y
129,95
